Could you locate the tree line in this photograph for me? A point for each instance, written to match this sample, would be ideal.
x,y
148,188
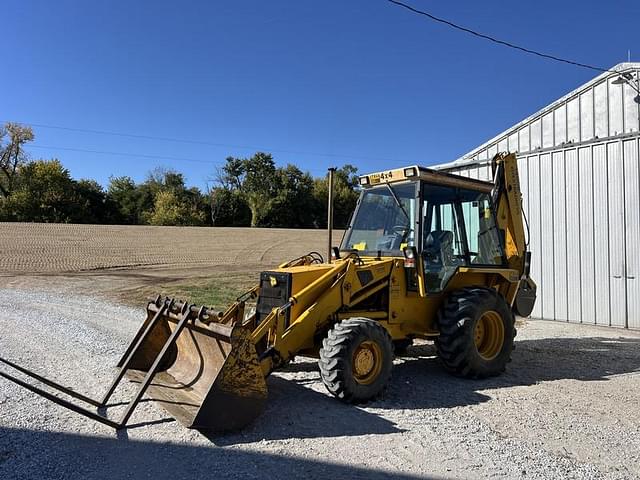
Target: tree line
x,y
249,191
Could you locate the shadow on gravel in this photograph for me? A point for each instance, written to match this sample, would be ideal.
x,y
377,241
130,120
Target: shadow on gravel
x,y
295,411
533,361
26,454
420,382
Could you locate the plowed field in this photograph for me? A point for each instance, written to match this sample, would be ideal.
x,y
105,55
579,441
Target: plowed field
x,y
59,248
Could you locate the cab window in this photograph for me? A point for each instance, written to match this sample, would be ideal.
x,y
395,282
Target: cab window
x,y
459,230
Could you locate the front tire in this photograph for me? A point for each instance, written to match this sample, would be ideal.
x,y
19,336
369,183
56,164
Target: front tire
x,y
356,359
477,328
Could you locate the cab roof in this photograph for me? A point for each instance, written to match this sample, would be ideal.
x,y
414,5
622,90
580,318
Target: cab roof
x,y
415,172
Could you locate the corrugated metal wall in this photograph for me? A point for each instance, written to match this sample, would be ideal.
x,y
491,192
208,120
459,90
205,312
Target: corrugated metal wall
x,y
580,177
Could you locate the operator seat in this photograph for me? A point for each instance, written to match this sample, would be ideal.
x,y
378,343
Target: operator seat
x,y
438,259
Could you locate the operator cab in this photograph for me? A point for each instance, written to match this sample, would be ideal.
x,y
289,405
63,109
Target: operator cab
x,y
449,219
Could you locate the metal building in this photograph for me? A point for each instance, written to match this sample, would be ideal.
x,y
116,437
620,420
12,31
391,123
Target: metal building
x,y
580,177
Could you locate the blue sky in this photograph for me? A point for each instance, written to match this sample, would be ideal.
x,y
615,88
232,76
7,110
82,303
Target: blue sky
x,y
363,79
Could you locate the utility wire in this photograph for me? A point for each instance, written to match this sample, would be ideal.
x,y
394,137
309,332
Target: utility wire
x,y
496,40
202,142
122,154
141,155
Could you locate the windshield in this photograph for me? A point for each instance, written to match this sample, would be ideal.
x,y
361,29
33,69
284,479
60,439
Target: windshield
x,y
383,220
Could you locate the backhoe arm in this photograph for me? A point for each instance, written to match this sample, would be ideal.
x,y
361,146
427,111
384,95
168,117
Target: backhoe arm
x,y
507,197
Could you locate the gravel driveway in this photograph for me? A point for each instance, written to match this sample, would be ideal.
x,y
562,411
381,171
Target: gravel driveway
x,y
568,407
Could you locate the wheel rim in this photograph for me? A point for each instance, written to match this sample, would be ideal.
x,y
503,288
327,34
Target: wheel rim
x,y
489,335
367,362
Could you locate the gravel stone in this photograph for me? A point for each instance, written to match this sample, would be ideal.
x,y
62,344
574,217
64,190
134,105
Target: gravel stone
x,y
567,407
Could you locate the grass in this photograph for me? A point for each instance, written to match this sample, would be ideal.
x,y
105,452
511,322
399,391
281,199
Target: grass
x,y
217,293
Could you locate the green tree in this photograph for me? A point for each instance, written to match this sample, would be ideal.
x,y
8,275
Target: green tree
x,y
170,209
137,203
292,204
252,191
94,205
255,178
231,176
43,192
164,199
276,197
123,193
259,186
345,197
229,208
281,197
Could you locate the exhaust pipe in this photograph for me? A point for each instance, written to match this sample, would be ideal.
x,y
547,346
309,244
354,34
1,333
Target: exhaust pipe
x,y
330,214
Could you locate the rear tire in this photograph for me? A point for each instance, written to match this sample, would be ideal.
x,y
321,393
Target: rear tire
x,y
477,328
356,359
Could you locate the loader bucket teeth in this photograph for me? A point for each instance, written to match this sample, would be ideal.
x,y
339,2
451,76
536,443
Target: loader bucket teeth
x,y
212,380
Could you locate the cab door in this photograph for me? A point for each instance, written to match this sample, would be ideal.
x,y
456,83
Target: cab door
x,y
459,229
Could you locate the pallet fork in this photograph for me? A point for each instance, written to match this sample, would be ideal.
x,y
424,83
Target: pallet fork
x,y
191,360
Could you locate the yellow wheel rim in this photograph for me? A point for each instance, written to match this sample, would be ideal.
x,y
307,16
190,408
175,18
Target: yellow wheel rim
x,y
489,335
367,362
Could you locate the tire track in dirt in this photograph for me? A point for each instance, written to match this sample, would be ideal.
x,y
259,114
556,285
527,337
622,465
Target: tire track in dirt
x,y
65,248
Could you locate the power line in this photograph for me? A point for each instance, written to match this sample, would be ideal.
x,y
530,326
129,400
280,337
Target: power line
x,y
201,142
140,155
123,154
498,41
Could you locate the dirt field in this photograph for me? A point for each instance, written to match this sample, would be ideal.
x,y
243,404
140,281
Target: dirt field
x,y
567,407
49,248
131,263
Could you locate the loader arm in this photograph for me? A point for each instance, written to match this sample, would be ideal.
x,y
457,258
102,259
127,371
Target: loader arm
x,y
318,305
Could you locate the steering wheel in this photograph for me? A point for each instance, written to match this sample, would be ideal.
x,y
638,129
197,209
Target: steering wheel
x,y
401,229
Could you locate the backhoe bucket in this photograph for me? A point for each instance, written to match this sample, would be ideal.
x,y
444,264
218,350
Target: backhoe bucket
x,y
200,366
211,378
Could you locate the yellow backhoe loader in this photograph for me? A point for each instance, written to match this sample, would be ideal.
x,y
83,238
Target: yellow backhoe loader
x,y
427,255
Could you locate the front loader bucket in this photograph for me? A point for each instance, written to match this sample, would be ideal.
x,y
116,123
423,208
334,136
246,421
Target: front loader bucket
x,y
211,378
201,367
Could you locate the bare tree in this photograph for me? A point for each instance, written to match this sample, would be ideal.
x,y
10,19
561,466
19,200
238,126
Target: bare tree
x,y
12,154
